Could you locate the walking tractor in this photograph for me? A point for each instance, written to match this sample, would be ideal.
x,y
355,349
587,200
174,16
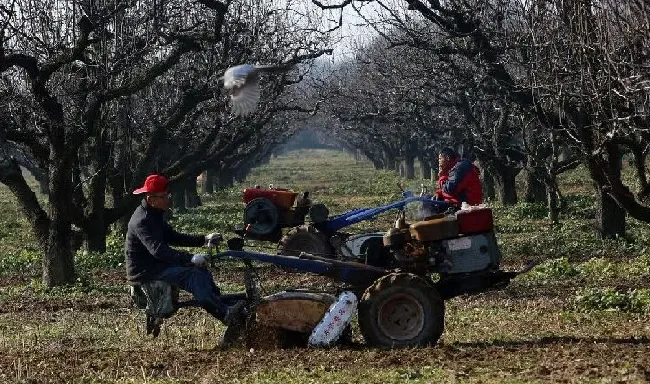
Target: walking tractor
x,y
399,300
268,211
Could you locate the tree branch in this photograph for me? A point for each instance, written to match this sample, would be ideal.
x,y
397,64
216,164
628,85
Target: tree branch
x,y
150,75
188,101
214,5
566,165
11,176
333,6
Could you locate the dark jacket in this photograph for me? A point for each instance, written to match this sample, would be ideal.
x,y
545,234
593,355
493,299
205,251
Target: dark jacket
x,y
462,183
148,238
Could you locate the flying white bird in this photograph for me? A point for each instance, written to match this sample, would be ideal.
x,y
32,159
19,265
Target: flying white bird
x,y
243,83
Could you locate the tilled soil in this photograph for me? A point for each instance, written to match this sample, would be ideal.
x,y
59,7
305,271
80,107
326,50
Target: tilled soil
x,y
547,359
520,333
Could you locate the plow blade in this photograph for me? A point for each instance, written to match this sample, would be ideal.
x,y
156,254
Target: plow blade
x,y
293,311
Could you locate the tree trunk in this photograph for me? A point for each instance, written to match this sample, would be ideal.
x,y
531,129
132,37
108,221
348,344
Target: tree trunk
x,y
242,173
535,188
434,170
96,228
552,201
191,194
42,188
640,167
408,165
11,175
126,203
96,239
390,162
121,225
506,186
489,192
208,181
42,179
178,197
224,179
40,176
611,217
425,170
58,261
122,173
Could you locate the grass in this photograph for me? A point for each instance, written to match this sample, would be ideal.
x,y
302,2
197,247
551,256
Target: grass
x,y
581,315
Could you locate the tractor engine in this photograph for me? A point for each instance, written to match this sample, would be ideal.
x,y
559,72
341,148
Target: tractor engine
x,y
450,244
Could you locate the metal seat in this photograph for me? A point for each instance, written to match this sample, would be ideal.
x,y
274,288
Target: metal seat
x,y
158,299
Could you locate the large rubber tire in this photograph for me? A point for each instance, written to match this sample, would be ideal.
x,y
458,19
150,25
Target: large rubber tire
x,y
401,310
305,239
376,254
263,216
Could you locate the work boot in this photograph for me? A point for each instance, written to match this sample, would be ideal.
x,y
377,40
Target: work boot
x,y
236,314
235,321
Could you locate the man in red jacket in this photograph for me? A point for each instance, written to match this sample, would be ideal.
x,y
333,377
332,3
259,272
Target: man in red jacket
x,y
458,179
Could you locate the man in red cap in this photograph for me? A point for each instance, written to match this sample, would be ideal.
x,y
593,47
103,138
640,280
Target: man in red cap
x,y
149,256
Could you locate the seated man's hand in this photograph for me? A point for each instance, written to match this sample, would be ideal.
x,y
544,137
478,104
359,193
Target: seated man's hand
x,y
442,180
213,239
200,260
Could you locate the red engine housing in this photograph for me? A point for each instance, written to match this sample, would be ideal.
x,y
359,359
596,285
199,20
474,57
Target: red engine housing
x,y
475,220
281,197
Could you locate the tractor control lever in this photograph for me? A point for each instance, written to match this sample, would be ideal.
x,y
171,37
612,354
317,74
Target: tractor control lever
x,y
247,230
405,193
213,252
250,280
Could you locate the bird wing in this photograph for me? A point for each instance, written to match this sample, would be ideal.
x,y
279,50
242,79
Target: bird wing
x,y
273,68
243,82
244,98
236,76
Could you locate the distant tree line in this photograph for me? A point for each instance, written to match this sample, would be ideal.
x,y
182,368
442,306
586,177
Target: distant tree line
x,y
308,138
538,87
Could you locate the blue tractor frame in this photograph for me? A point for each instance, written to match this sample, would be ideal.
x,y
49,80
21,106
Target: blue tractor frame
x,y
338,222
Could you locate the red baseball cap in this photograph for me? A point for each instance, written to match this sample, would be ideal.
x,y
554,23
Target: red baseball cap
x,y
153,184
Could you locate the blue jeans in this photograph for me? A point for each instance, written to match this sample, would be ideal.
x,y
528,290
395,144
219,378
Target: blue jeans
x,y
197,281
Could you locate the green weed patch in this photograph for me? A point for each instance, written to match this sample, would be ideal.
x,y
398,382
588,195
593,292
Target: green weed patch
x,y
610,299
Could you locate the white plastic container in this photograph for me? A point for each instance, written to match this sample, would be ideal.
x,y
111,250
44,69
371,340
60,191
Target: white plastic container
x,y
339,315
466,207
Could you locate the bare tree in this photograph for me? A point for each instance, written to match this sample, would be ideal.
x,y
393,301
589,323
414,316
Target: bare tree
x,y
113,90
